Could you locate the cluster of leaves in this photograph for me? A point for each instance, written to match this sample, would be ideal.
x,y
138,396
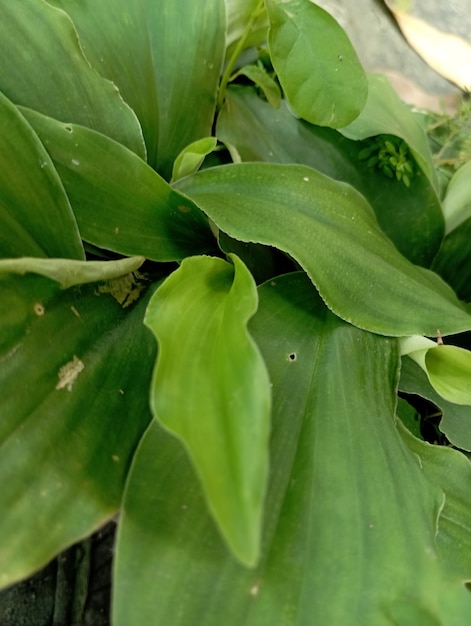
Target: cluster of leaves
x,y
391,156
213,348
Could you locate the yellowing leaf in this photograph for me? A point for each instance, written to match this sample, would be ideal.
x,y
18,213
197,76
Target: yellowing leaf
x,y
447,54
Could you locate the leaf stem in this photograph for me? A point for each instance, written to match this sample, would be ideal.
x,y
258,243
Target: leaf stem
x,y
235,55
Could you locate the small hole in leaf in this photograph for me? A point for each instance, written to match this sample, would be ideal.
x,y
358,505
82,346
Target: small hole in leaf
x,y
68,128
293,356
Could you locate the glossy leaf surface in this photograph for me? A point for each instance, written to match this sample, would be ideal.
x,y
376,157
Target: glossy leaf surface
x,y
411,217
457,201
120,203
349,534
211,389
69,273
315,63
330,229
74,376
76,93
35,215
191,157
165,57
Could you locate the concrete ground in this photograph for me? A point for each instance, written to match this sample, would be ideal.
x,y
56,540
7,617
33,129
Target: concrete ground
x,y
381,46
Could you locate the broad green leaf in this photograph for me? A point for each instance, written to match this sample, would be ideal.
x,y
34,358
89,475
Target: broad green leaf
x,y
456,418
210,388
448,368
453,261
75,370
119,201
451,471
260,77
165,57
385,113
315,63
56,79
330,229
411,217
191,157
457,201
349,534
70,272
35,214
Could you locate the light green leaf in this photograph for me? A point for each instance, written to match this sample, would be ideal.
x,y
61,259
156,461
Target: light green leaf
x,y
120,203
349,533
35,215
191,157
211,389
457,201
315,63
456,419
385,113
411,217
165,57
330,229
259,76
73,92
70,272
74,376
448,368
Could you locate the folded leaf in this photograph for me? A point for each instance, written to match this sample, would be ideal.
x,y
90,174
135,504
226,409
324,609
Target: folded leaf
x,y
35,215
448,368
315,62
70,273
456,418
330,229
211,389
351,519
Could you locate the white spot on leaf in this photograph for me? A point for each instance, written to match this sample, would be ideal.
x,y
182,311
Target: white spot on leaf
x,y
68,373
39,308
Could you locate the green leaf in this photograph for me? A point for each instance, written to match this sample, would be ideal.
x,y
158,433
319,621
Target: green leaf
x,y
315,63
385,113
75,370
349,533
453,261
259,76
239,13
69,273
35,215
456,419
120,203
210,388
451,471
457,201
411,217
165,57
331,231
191,157
56,79
448,368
